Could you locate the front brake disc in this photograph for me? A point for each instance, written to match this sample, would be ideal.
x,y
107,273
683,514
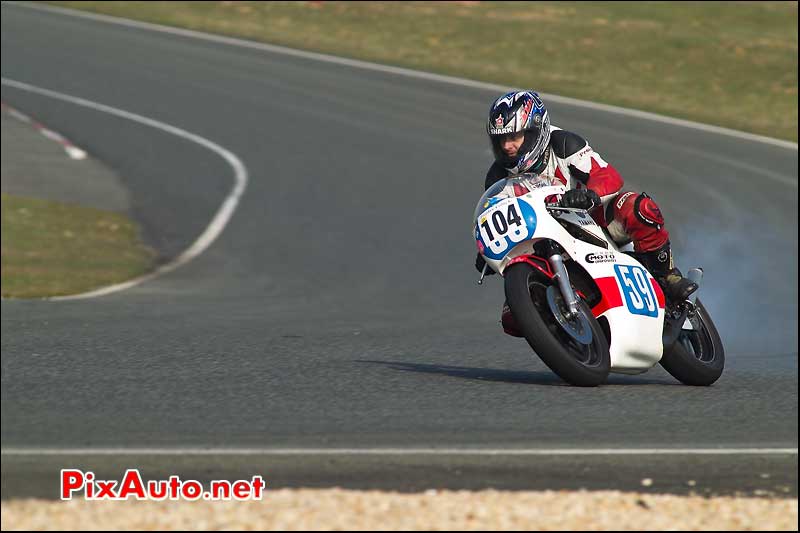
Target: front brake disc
x,y
578,328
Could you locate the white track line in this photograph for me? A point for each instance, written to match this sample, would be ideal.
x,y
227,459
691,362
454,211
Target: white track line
x,y
34,452
404,72
211,232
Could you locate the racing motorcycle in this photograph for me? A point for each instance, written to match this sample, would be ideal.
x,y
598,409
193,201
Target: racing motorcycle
x,y
586,306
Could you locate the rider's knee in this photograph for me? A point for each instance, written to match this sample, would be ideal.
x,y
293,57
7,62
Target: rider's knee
x,y
641,219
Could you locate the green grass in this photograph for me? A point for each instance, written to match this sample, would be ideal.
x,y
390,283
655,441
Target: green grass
x,y
732,64
51,249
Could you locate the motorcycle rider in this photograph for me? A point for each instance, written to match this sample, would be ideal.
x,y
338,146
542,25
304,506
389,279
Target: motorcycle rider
x,y
524,141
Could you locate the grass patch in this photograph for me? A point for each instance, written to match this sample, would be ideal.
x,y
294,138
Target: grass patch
x,y
51,249
733,64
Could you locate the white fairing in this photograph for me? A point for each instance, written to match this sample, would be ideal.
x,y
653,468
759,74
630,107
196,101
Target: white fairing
x,y
632,302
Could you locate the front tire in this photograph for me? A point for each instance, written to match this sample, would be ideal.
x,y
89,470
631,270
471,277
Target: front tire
x,y
577,363
697,357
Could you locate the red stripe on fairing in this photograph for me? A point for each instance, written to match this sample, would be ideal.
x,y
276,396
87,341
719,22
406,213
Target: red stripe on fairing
x,y
611,296
662,301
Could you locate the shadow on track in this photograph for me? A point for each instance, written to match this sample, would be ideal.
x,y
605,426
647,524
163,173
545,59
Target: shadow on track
x,y
506,376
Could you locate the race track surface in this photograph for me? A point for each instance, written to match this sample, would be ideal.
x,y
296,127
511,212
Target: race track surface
x,y
339,308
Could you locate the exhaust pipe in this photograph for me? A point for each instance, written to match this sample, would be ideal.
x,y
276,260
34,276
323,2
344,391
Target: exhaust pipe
x,y
696,276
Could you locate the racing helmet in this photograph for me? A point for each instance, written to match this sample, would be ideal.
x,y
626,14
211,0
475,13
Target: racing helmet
x,y
513,113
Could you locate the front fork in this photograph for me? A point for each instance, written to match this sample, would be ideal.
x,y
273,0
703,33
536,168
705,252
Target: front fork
x,y
557,263
560,273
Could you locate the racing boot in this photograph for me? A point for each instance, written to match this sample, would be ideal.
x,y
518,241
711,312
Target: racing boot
x,y
509,324
660,264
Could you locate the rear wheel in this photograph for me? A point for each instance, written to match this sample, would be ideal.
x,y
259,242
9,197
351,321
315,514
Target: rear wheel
x,y
575,348
697,357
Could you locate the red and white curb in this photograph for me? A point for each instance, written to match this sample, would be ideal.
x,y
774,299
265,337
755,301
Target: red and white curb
x,y
72,151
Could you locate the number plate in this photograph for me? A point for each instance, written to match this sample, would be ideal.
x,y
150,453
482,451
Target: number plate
x,y
503,226
639,294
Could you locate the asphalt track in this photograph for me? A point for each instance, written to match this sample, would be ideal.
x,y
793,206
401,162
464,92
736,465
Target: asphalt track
x,y
339,310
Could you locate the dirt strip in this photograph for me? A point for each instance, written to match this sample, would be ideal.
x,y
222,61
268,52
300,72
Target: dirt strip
x,y
335,509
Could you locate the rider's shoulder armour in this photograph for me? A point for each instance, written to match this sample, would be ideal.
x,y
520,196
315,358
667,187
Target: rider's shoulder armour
x,y
565,143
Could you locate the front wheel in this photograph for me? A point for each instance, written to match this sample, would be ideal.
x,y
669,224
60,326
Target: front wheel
x,y
575,348
697,357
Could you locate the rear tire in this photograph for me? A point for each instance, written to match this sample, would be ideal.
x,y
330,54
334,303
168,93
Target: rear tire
x,y
585,365
697,357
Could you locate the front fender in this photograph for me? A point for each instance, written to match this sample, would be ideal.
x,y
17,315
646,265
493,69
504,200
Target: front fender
x,y
539,263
